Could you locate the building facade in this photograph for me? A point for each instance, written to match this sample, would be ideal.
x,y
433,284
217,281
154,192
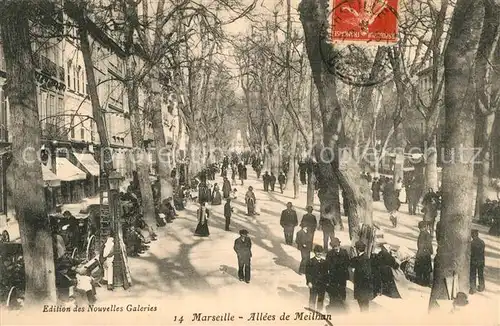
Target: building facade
x,y
66,116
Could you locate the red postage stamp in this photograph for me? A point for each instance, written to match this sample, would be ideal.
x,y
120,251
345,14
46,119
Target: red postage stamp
x,y
365,21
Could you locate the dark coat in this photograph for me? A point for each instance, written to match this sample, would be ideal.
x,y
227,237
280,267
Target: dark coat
x,y
289,218
204,193
304,240
477,252
376,190
363,279
281,179
431,205
338,263
272,179
317,273
243,249
327,224
424,244
226,188
228,210
383,278
310,221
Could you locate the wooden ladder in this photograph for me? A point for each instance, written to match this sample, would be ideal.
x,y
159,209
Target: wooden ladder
x,y
105,222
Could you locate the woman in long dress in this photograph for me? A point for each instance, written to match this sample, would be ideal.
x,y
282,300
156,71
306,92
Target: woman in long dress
x,y
226,188
250,201
202,227
216,195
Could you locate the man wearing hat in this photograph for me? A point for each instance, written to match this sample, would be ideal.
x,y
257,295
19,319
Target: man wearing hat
x,y
423,260
337,260
304,241
288,222
476,262
317,278
327,225
309,221
363,281
228,211
243,248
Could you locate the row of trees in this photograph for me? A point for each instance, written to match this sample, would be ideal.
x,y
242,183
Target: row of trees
x,y
463,53
442,75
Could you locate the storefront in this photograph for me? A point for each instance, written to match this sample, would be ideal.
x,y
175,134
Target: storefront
x,y
87,163
52,188
72,180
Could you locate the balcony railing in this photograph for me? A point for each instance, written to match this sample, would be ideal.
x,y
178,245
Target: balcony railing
x,y
48,67
54,131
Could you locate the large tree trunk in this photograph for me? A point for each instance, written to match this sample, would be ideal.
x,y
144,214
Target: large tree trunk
x,y
314,18
294,166
399,151
195,156
431,172
163,152
293,155
453,253
311,178
396,63
141,156
28,191
274,151
311,181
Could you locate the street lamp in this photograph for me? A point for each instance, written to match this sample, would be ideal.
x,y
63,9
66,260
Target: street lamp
x,y
114,181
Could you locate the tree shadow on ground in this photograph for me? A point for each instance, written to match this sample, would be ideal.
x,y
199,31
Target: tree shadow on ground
x,y
492,274
275,199
176,270
229,271
262,237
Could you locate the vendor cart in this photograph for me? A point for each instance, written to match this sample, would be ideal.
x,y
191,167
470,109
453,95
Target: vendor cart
x,y
84,247
12,280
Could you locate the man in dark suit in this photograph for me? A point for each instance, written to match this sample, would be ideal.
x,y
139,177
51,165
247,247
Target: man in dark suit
x,y
309,221
243,249
282,181
289,221
423,260
476,262
266,180
228,211
337,260
317,278
363,280
272,181
304,242
327,224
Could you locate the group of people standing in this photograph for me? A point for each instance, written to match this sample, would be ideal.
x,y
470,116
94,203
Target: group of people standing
x,y
270,181
328,272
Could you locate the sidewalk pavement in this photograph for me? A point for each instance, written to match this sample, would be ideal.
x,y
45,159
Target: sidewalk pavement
x,y
200,274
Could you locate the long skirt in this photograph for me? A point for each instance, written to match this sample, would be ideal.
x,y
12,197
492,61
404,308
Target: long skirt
x,y
250,207
202,230
217,198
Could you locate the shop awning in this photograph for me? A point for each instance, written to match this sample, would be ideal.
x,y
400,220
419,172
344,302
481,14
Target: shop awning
x,y
66,171
89,163
51,180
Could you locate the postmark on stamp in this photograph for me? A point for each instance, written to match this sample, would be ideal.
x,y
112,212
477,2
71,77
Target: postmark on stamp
x,y
364,21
